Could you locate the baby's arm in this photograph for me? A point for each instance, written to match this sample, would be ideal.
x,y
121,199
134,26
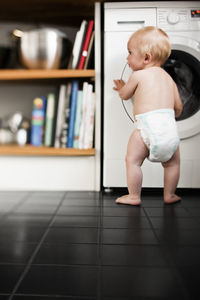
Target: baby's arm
x,y
178,106
126,90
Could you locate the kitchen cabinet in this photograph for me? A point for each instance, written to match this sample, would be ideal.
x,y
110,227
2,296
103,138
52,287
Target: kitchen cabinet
x,y
48,168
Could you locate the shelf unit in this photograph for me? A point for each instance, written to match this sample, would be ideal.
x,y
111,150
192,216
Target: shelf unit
x,y
47,168
18,75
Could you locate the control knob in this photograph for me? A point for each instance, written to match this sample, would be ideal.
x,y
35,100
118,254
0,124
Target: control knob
x,y
173,18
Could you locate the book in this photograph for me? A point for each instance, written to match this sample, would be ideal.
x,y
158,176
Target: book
x,y
78,118
38,121
60,114
73,101
90,54
87,90
50,115
86,44
89,122
64,131
78,44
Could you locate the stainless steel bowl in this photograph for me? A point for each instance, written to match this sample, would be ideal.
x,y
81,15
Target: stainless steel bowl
x,y
43,48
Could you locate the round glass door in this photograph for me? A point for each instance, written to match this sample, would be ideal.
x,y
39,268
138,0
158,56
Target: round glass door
x,y
185,70
184,67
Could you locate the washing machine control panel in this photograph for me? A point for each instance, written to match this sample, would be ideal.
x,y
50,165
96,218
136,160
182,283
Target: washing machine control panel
x,y
179,19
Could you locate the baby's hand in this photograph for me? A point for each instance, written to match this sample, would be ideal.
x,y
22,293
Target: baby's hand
x,y
118,84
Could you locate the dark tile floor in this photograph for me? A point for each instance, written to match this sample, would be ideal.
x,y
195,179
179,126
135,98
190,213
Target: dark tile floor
x,y
81,245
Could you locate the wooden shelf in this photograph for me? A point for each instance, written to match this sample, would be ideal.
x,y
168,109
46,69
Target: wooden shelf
x,y
44,74
43,151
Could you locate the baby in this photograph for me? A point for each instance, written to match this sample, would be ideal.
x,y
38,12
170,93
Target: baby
x,y
156,104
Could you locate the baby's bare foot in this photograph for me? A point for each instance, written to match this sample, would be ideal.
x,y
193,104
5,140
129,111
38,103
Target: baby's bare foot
x,y
171,199
129,199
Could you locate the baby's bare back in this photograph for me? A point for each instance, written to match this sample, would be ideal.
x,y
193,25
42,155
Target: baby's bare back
x,y
155,90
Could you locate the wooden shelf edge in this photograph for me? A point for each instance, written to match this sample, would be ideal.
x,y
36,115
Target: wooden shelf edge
x,y
14,150
44,74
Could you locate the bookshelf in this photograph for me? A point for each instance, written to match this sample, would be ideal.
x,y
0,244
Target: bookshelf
x,y
30,168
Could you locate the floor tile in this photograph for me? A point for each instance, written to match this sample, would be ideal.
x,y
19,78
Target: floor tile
x,y
174,223
194,211
16,252
21,233
191,275
191,202
177,236
153,203
27,220
138,298
123,211
36,209
9,275
134,255
128,236
54,280
72,235
82,195
40,297
125,222
86,254
138,281
43,201
167,211
75,221
81,202
78,210
185,255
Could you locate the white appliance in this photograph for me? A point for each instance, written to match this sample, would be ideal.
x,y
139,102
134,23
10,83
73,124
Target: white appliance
x,y
181,21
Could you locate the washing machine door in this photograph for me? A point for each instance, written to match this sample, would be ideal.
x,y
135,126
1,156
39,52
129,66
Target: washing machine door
x,y
184,67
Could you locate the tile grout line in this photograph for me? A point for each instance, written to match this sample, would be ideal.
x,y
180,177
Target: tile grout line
x,y
28,265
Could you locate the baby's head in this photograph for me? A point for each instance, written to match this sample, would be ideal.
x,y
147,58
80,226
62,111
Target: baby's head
x,y
154,41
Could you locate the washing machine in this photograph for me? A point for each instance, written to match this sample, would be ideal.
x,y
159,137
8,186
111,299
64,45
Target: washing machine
x,y
181,21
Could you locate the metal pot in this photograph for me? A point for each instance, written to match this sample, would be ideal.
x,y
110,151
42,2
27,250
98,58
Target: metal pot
x,y
43,48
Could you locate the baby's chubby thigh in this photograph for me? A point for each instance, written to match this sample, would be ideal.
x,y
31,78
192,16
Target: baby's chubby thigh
x,y
137,151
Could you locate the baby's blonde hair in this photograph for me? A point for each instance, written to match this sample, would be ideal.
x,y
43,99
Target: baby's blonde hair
x,y
152,40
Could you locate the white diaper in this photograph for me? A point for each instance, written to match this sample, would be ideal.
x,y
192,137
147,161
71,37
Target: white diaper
x,y
159,132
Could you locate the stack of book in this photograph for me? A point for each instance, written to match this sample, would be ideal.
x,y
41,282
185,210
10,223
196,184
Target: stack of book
x,y
66,120
83,49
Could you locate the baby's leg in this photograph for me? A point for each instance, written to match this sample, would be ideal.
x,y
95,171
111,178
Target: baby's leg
x,y
171,177
136,153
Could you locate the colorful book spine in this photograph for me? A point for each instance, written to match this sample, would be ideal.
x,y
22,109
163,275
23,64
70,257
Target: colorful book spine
x,y
37,122
89,61
49,120
78,119
73,101
86,44
89,122
78,44
64,131
87,91
60,115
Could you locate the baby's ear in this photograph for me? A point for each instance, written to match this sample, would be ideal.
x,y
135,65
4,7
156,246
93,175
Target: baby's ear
x,y
147,58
